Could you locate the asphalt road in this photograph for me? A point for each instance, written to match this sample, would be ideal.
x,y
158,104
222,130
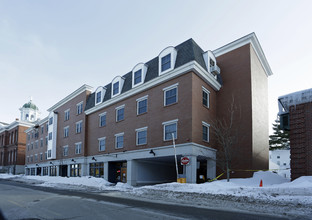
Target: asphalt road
x,y
21,201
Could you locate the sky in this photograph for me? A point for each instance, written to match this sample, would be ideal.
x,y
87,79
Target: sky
x,y
48,49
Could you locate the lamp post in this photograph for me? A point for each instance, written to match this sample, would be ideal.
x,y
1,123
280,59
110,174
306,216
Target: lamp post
x,y
175,155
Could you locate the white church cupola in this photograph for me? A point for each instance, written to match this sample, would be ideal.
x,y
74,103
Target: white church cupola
x,y
29,112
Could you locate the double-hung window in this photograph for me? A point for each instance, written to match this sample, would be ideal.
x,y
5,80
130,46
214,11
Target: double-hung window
x,y
205,131
170,128
50,121
98,97
171,94
119,140
66,118
102,143
79,108
137,77
142,105
66,129
141,136
78,148
102,119
65,151
50,136
120,113
41,142
78,127
166,62
42,129
115,88
206,97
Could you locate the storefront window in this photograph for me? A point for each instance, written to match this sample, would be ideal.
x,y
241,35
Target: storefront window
x,y
97,169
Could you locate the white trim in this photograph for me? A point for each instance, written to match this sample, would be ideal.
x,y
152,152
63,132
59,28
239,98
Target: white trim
x,y
174,86
104,113
80,103
208,132
77,92
140,66
140,100
100,115
116,112
248,39
66,146
186,68
78,143
208,96
118,135
175,121
136,135
120,81
206,124
119,107
99,140
173,56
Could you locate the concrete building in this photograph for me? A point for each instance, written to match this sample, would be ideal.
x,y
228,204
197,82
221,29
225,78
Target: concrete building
x,y
295,111
124,129
13,139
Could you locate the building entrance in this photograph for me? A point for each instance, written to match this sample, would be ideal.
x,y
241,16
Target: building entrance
x,y
63,170
117,172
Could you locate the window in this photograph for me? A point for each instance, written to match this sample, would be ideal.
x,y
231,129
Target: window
x,y
47,128
142,105
41,156
206,97
115,88
42,129
97,169
79,108
36,157
120,113
65,151
66,129
46,155
46,140
28,136
102,143
36,144
49,153
205,131
166,62
169,128
119,140
171,94
98,97
66,118
211,62
78,127
78,148
138,77
102,121
141,136
41,142
50,121
278,157
75,170
50,136
32,146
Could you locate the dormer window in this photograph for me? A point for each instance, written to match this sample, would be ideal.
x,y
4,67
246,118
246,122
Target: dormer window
x,y
138,74
117,85
211,63
99,95
137,77
115,88
166,60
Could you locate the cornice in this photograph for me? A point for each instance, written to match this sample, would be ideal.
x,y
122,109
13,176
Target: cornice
x,y
190,66
248,39
71,96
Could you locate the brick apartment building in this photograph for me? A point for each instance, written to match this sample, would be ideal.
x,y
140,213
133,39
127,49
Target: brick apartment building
x,y
123,131
13,140
295,111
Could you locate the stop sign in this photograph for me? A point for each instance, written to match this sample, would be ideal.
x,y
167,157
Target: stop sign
x,y
185,161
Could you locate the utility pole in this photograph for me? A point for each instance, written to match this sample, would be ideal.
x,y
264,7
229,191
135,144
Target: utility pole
x,y
175,155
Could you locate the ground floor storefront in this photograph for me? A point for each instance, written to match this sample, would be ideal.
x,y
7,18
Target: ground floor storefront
x,y
140,167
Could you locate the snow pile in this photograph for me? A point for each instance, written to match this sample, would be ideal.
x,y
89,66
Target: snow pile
x,y
295,98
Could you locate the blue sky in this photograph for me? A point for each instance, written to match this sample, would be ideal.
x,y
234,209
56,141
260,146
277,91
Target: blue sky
x,y
50,48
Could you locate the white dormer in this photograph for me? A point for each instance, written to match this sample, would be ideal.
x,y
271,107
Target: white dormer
x,y
99,95
166,60
211,63
117,85
138,74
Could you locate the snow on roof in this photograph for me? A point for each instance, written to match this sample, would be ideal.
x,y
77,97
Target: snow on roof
x,y
295,98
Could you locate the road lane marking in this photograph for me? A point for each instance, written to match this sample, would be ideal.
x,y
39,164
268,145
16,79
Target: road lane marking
x,y
15,203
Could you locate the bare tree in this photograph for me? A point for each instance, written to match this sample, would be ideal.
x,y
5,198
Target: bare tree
x,y
227,138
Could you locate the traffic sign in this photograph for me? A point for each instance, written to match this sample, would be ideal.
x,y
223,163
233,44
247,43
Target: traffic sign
x,y
185,161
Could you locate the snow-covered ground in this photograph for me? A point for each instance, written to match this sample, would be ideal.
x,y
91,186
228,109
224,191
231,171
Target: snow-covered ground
x,y
278,195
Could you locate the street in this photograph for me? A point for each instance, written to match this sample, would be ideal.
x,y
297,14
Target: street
x,y
21,201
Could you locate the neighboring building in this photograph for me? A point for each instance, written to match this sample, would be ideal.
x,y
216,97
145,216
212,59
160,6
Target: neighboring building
x,y
295,111
124,132
280,162
13,140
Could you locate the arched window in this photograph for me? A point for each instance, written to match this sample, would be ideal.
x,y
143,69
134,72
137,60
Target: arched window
x,y
99,95
138,74
27,116
117,85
